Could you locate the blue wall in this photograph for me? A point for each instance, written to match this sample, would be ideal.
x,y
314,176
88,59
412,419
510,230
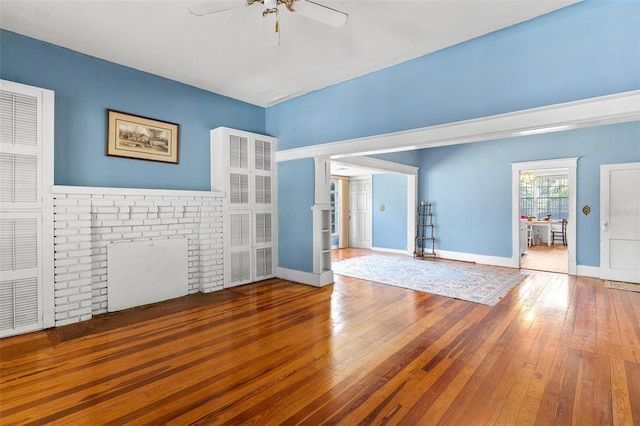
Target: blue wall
x,y
85,87
470,186
295,228
390,225
585,50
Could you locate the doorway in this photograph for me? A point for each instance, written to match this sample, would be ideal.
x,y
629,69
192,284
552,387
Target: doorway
x,y
543,256
355,168
360,213
544,202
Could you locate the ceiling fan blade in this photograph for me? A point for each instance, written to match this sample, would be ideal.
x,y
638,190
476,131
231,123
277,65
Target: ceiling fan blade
x,y
320,13
271,30
215,7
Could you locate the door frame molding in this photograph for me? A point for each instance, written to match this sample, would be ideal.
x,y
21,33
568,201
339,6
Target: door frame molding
x,y
571,164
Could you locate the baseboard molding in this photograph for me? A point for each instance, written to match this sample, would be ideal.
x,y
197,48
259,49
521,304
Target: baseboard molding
x,y
588,271
388,250
309,278
476,258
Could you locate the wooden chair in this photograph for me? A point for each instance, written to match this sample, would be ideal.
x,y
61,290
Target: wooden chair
x,y
560,234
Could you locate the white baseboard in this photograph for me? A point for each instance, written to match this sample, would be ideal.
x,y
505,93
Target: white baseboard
x,y
388,250
476,258
309,278
588,271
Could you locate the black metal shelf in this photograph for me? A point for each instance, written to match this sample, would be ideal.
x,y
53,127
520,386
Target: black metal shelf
x,y
425,242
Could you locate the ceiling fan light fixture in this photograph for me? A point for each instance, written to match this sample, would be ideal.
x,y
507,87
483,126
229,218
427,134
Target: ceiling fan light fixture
x,y
271,24
271,27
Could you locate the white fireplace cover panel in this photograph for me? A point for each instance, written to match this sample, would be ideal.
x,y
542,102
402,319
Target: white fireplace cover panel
x,y
143,272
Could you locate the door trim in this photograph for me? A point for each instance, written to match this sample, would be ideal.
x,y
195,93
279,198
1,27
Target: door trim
x,y
561,163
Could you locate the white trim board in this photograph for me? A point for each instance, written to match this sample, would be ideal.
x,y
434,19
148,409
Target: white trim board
x,y
474,258
60,189
309,278
394,251
377,165
610,109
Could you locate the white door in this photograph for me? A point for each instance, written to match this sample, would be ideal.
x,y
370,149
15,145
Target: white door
x,y
620,222
26,221
360,213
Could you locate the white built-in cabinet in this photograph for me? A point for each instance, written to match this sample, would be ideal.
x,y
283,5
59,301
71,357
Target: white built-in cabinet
x,y
26,212
243,167
322,222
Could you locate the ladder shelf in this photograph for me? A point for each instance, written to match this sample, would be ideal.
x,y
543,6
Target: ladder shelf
x,y
425,242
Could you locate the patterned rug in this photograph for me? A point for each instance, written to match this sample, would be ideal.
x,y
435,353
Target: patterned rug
x,y
474,284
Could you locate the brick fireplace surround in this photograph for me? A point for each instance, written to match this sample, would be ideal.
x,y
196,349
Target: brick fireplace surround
x,y
88,219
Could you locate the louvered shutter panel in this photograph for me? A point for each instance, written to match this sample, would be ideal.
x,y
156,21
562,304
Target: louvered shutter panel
x,y
19,178
21,215
238,152
240,266
263,155
263,228
263,189
263,262
240,231
238,188
18,119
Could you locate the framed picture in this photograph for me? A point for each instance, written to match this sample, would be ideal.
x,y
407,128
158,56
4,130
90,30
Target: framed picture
x,y
143,138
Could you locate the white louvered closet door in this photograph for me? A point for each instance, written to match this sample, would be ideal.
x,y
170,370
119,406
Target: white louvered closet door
x,y
21,212
264,241
243,166
240,224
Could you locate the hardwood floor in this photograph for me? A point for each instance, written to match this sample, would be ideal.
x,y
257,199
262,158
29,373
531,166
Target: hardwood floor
x,y
557,349
552,258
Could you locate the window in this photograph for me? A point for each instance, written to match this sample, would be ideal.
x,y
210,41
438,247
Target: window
x,y
335,196
545,195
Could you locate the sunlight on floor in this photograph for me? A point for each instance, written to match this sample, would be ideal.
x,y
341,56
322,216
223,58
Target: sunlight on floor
x,y
552,258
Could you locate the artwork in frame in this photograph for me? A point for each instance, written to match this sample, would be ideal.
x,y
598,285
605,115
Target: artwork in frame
x,y
133,136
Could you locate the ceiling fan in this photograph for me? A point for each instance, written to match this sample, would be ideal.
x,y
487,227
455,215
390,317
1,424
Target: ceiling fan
x,y
271,26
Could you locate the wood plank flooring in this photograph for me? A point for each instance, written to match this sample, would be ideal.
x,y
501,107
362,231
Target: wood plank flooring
x,y
557,349
552,258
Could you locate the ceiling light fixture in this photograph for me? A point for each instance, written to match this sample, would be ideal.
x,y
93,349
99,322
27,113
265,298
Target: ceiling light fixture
x,y
271,27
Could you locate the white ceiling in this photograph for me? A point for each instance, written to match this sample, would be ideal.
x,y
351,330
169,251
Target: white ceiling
x,y
224,53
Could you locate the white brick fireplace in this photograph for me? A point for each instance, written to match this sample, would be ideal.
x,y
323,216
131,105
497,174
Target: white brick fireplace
x,y
87,220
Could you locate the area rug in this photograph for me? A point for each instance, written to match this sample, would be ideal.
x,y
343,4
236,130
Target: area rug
x,y
474,284
622,286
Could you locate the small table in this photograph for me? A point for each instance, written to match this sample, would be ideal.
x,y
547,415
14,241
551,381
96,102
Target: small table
x,y
544,224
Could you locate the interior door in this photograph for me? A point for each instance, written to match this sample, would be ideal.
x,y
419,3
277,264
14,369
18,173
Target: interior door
x,y
620,222
360,213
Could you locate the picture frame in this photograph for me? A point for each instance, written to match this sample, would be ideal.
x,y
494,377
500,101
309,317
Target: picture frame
x,y
143,138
